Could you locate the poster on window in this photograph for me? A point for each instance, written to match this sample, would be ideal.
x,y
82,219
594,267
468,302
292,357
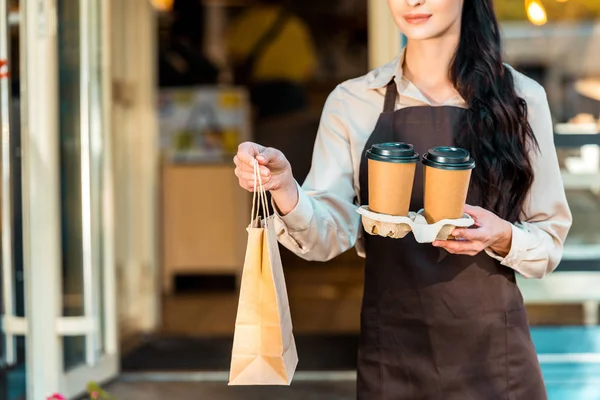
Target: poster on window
x,y
203,124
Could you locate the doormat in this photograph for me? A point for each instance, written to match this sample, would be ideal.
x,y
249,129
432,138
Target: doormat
x,y
556,347
178,353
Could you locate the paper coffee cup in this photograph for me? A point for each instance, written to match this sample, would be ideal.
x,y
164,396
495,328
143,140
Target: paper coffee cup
x,y
391,177
447,177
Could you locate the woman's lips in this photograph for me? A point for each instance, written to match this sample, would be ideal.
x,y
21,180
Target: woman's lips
x,y
417,19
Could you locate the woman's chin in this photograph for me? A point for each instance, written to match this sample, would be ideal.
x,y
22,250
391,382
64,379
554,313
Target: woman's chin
x,y
421,33
426,31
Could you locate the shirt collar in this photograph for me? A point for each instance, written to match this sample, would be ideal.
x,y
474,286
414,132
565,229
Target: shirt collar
x,y
384,75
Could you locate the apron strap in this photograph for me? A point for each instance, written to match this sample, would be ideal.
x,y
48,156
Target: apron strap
x,y
391,93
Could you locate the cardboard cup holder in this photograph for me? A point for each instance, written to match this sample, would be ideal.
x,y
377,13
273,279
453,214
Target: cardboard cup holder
x,y
398,227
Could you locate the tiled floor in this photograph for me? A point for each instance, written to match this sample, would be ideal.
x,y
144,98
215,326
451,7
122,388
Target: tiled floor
x,y
220,391
564,381
301,391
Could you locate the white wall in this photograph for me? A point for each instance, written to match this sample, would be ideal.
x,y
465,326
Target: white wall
x,y
135,151
384,36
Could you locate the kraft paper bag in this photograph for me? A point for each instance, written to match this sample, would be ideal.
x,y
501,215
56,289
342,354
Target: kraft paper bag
x,y
264,350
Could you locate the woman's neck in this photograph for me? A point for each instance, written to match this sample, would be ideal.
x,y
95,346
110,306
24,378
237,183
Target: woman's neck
x,y
427,65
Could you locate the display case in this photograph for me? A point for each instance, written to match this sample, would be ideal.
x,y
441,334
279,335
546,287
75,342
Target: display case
x,y
577,278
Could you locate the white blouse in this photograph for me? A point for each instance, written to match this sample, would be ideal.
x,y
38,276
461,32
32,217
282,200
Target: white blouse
x,y
325,223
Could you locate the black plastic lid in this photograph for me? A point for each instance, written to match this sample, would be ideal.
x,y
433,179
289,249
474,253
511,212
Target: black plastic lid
x,y
450,158
395,152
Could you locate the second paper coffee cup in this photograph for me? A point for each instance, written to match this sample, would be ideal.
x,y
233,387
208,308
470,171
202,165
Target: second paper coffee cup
x,y
391,177
447,177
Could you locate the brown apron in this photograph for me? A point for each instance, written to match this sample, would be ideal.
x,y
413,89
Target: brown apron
x,y
436,325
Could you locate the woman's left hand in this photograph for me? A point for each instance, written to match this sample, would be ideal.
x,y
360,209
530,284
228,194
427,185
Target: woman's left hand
x,y
489,231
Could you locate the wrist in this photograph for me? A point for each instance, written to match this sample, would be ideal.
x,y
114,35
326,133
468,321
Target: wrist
x,y
503,245
286,197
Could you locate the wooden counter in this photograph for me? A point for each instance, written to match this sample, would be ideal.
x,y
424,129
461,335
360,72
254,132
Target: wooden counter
x,y
204,218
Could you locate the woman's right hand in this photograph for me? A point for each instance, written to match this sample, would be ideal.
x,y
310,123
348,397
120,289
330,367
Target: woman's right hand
x,y
275,170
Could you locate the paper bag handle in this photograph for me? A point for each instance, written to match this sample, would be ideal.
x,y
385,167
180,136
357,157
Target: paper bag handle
x,y
260,193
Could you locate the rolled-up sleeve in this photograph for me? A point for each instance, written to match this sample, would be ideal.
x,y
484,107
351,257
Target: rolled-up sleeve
x,y
325,223
537,242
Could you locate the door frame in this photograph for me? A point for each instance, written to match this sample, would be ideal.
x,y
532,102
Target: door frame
x,y
11,325
45,325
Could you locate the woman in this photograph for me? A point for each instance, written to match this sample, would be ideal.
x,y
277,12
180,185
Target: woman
x,y
442,321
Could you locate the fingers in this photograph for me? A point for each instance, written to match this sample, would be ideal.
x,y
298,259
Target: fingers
x,y
269,155
270,161
243,167
248,151
469,209
251,185
246,178
248,175
460,247
248,182
247,185
471,235
477,213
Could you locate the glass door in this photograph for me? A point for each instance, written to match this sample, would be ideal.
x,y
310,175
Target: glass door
x,y
87,279
67,199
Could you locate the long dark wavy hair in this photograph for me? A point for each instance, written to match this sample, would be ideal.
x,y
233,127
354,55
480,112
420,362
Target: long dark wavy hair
x,y
496,130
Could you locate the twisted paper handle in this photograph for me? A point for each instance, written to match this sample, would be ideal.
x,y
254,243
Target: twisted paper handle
x,y
261,194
